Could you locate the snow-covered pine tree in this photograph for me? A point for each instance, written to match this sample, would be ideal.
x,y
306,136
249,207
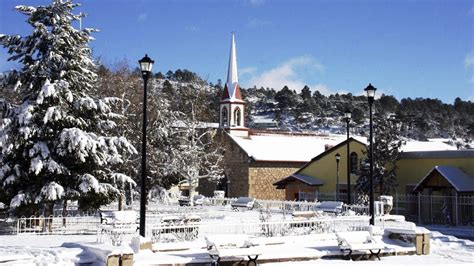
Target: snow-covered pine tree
x,y
387,145
55,145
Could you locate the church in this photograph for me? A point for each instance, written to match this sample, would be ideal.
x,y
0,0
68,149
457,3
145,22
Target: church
x,y
255,159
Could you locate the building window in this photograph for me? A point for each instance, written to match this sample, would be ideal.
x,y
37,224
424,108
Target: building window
x,y
354,163
237,116
224,116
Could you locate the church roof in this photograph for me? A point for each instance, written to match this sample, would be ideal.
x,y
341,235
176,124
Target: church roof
x,y
287,147
455,176
231,88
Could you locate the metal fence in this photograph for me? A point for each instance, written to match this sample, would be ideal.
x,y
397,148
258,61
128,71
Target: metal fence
x,y
329,224
434,209
422,208
57,225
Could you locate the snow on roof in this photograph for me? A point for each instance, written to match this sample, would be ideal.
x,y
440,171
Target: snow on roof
x,y
309,180
432,145
287,148
455,176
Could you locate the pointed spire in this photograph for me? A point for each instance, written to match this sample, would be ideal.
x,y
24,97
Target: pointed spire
x,y
232,89
232,77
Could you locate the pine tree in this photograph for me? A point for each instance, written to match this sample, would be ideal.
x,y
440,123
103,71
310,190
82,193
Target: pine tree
x,y
387,145
56,144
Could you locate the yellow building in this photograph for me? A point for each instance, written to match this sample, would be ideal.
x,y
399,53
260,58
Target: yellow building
x,y
322,173
414,166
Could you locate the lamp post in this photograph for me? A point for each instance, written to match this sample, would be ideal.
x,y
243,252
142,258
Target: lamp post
x,y
348,116
370,97
145,66
338,158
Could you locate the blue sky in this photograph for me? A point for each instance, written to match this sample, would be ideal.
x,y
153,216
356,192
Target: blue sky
x,y
404,48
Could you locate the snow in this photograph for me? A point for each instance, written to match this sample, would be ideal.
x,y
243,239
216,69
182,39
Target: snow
x,y
304,250
53,113
302,148
89,182
288,148
18,200
431,145
36,165
123,179
46,91
50,192
40,147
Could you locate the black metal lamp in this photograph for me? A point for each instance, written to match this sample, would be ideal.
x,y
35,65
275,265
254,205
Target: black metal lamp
x,y
370,97
145,66
348,116
338,158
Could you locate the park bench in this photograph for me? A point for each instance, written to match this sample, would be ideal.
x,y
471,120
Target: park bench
x,y
330,206
358,241
116,224
243,202
230,247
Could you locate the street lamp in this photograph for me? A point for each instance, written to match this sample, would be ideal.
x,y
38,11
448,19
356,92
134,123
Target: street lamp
x,y
145,66
338,158
370,97
348,116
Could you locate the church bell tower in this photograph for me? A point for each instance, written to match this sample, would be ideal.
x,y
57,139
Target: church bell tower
x,y
231,104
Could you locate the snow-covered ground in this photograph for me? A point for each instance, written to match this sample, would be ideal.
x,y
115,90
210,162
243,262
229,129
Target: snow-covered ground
x,y
305,250
69,249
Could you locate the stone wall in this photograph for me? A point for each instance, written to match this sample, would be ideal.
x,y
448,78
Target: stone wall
x,y
262,175
247,178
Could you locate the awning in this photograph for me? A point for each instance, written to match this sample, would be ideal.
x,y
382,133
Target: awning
x,y
445,177
309,180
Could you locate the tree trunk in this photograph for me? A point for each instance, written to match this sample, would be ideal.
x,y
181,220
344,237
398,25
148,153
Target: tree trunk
x,y
120,202
192,190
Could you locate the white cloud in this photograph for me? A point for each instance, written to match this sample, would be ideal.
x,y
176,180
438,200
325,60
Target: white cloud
x,y
142,17
256,23
469,59
289,73
247,70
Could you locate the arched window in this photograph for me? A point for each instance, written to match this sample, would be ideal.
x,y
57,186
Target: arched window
x,y
237,116
224,120
354,163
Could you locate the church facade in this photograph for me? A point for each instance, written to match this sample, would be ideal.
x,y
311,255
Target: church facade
x,y
255,159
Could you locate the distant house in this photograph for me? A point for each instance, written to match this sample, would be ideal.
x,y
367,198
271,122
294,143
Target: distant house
x,y
264,122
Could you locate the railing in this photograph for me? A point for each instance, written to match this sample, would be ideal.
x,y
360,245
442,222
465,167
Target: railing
x,y
175,233
57,225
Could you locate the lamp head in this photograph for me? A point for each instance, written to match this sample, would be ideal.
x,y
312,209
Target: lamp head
x,y
146,64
